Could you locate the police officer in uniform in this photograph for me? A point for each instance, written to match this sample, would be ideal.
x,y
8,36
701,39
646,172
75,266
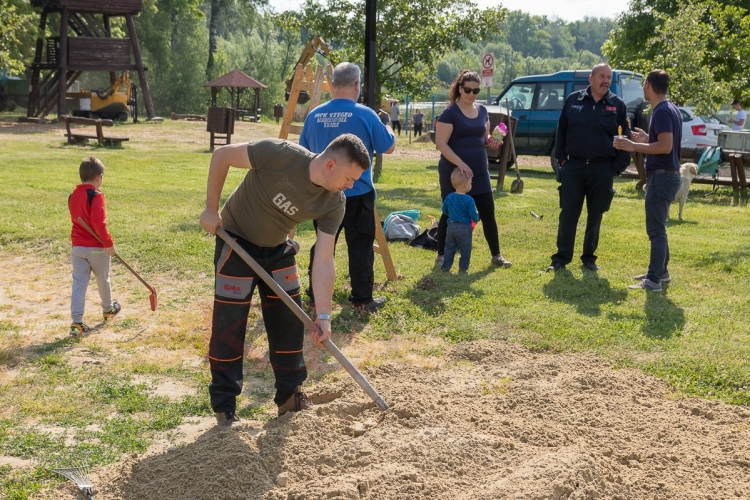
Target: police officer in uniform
x,y
589,121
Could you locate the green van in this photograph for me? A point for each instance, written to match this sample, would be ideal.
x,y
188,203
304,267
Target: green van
x,y
536,101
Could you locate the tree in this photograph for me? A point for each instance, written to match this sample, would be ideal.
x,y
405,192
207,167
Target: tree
x,y
702,44
17,33
412,36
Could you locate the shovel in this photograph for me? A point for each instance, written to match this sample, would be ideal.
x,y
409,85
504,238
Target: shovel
x,y
309,323
152,297
517,185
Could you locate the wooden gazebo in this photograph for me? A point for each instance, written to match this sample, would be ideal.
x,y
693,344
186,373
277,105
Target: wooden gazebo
x,y
236,82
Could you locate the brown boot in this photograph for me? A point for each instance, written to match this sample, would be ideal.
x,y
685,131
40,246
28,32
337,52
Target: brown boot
x,y
296,402
225,420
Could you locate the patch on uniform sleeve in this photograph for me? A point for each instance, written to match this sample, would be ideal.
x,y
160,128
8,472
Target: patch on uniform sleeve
x,y
287,278
232,287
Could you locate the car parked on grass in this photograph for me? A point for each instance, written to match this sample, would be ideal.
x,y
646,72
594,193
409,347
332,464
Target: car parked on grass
x,y
699,130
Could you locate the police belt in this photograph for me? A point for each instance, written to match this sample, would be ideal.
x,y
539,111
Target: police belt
x,y
590,161
661,171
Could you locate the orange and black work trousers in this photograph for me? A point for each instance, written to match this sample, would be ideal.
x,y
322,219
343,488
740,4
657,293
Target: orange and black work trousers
x,y
235,282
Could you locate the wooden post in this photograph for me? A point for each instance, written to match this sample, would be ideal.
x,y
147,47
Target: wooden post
x,y
381,248
139,65
740,170
62,77
733,171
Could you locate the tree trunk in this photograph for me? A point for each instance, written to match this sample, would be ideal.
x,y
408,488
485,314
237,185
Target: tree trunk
x,y
212,32
377,168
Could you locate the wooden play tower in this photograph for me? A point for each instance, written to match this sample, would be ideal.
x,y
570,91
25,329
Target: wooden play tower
x,y
84,43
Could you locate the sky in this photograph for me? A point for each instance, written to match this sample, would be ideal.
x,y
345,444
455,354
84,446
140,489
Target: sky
x,y
569,10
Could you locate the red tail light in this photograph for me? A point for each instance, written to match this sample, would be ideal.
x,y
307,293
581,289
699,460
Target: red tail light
x,y
699,129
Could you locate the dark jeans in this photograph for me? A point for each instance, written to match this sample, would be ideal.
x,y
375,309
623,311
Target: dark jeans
x,y
235,283
579,182
660,192
458,236
485,203
359,231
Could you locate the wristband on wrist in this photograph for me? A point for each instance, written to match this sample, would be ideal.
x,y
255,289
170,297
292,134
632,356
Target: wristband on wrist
x,y
326,317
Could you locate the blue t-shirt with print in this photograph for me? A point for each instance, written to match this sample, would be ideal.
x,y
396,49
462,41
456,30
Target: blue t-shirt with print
x,y
343,116
460,208
665,117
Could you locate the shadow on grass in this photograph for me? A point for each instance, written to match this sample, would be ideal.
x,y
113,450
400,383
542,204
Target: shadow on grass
x,y
586,294
727,261
434,289
663,317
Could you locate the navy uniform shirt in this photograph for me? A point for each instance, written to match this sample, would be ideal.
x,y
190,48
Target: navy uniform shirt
x,y
587,128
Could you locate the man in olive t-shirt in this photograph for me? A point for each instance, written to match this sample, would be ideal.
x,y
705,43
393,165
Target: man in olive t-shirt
x,y
284,186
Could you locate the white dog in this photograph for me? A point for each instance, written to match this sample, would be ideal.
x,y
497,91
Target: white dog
x,y
687,171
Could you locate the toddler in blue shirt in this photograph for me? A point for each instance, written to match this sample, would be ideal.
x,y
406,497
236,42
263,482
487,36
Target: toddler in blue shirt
x,y
462,217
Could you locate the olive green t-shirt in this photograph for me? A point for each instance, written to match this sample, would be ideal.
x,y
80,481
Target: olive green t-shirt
x,y
277,194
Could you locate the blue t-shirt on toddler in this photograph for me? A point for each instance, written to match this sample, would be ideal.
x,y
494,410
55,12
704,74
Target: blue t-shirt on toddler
x,y
460,208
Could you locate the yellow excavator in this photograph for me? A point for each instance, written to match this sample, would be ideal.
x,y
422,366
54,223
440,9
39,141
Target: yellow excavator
x,y
113,102
316,45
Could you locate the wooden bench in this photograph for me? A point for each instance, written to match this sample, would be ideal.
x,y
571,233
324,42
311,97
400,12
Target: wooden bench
x,y
78,138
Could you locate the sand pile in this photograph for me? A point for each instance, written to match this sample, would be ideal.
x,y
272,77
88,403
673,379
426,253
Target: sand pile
x,y
496,421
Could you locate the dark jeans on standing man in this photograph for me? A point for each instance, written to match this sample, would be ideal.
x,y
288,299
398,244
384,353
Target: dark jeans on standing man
x,y
661,190
458,237
235,283
359,231
581,181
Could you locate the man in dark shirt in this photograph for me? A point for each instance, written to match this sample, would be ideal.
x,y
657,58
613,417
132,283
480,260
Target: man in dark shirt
x,y
589,121
662,148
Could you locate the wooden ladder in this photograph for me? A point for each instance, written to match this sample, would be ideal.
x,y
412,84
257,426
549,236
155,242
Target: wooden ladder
x,y
316,84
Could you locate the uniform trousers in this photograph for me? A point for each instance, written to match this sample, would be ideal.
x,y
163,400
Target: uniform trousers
x,y
581,181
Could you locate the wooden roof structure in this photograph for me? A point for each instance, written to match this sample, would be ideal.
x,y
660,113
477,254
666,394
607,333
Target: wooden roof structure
x,y
235,82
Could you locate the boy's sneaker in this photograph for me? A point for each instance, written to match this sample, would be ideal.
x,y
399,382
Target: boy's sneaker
x,y
648,285
78,329
226,419
296,402
116,308
665,278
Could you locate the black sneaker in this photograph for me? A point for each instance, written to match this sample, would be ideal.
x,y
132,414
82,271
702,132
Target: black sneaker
x,y
78,329
116,308
590,266
296,402
555,266
374,304
226,419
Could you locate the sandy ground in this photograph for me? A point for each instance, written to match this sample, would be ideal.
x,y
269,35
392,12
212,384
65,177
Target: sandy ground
x,y
492,421
485,420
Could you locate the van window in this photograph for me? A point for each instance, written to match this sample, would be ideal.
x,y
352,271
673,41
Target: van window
x,y
551,96
632,92
519,96
579,86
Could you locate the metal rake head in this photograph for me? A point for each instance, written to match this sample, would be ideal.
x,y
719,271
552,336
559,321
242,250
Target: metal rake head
x,y
80,476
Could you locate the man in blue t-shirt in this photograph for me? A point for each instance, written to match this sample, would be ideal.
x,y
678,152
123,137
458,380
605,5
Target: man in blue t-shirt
x,y
342,115
662,148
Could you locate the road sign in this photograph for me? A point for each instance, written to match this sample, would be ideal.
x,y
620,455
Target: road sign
x,y
488,61
488,72
487,81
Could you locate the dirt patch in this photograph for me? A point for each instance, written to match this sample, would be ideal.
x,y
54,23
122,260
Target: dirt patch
x,y
493,421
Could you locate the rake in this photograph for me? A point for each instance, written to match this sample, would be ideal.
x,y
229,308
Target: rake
x,y
80,476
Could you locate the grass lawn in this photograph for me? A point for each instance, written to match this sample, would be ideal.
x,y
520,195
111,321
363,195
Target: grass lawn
x,y
694,335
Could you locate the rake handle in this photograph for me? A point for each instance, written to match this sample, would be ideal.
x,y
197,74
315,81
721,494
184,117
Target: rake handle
x,y
297,310
90,230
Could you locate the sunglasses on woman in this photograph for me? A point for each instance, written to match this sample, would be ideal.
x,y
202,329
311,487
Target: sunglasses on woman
x,y
468,90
